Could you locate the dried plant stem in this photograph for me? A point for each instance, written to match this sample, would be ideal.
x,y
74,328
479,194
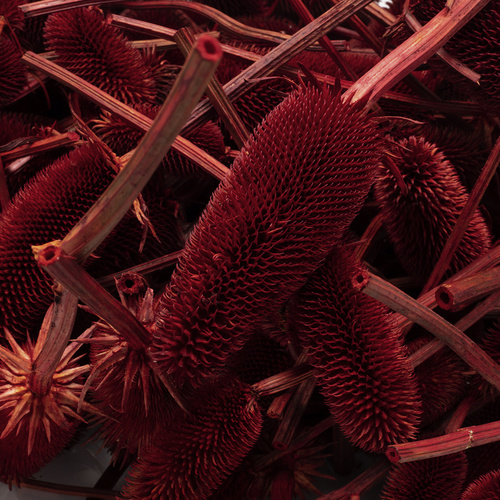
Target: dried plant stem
x,y
66,270
107,212
455,107
109,103
461,411
41,146
394,298
283,381
293,414
460,440
145,268
365,481
55,333
66,489
366,240
458,294
185,40
417,49
324,41
49,6
464,218
472,317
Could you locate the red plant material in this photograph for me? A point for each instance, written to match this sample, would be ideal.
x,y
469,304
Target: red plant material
x,y
290,195
193,453
45,210
125,388
440,477
12,71
10,12
441,380
362,365
487,487
97,52
420,220
35,427
476,45
122,137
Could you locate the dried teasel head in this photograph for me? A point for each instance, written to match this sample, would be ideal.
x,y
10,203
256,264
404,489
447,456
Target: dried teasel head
x,y
441,379
487,487
441,477
11,14
45,210
420,219
35,427
291,192
122,137
193,453
96,51
362,366
13,74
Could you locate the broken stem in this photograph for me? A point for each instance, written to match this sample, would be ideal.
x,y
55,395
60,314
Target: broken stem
x,y
459,440
283,381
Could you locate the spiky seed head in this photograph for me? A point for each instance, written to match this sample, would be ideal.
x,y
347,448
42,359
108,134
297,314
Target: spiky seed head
x,y
290,195
13,74
45,210
97,52
420,220
440,477
35,427
362,366
487,487
193,453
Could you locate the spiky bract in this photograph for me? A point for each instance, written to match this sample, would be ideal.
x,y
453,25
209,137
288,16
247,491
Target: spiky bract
x,y
35,427
362,366
441,477
97,52
420,221
193,453
290,195
12,71
45,210
487,487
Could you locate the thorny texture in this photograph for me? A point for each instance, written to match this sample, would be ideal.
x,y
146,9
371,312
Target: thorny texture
x,y
441,381
35,427
125,388
13,16
97,52
45,210
122,137
475,45
193,453
288,198
12,71
420,221
490,343
361,363
487,487
441,477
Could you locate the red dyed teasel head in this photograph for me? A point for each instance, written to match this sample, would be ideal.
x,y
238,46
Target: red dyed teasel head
x,y
193,453
12,71
420,220
290,195
361,363
487,487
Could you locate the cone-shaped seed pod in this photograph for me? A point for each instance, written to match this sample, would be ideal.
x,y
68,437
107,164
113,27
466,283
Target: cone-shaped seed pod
x,y
12,14
124,386
45,210
193,453
290,195
122,137
441,477
96,51
35,427
362,365
419,221
441,380
12,71
487,487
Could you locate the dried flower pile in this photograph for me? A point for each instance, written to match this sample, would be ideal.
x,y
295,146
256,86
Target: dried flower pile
x,y
286,183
